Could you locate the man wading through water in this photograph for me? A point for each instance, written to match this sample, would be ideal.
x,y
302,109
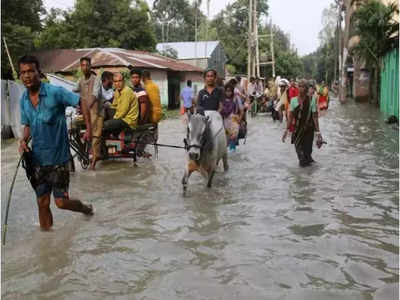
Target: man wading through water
x,y
303,109
43,114
211,97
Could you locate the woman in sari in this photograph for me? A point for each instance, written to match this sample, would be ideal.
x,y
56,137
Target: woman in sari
x,y
323,100
303,110
232,112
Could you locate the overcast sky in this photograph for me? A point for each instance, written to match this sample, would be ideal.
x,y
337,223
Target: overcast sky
x,y
301,19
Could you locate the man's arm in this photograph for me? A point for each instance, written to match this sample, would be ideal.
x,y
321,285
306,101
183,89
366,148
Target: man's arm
x,y
92,101
289,122
77,87
221,100
86,117
95,92
23,143
316,123
143,101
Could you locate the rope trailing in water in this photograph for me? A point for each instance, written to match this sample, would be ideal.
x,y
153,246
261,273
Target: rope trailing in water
x,y
164,145
9,201
9,196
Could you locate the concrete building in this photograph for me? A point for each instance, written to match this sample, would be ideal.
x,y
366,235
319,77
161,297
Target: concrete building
x,y
204,54
169,74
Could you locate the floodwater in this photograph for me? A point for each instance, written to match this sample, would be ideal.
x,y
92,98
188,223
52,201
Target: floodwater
x,y
267,229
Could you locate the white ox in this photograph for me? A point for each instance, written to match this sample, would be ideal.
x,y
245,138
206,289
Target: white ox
x,y
206,146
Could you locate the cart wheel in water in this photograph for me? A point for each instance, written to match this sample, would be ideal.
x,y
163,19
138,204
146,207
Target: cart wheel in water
x,y
84,163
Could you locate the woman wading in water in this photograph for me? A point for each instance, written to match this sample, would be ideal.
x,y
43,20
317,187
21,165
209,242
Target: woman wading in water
x,y
303,110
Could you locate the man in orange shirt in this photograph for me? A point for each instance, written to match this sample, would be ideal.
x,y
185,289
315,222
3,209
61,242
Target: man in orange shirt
x,y
154,96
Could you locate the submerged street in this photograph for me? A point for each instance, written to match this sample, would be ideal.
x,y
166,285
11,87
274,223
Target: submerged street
x,y
267,229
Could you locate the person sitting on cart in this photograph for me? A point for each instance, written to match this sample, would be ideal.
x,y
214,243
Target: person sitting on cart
x,y
126,108
141,94
144,108
104,94
153,91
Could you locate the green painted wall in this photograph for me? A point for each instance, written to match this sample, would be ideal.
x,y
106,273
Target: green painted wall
x,y
389,102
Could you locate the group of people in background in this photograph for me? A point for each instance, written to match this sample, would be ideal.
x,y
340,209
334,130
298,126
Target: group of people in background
x,y
300,103
228,99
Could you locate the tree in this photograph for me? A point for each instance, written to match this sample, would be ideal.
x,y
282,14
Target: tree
x,y
322,64
230,27
287,62
20,21
374,24
175,19
99,23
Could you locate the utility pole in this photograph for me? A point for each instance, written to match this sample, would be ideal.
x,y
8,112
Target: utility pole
x,y
208,17
342,82
249,41
272,62
272,50
10,60
195,33
253,59
255,28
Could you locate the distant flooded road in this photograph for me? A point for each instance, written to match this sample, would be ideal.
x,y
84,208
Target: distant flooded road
x,y
267,229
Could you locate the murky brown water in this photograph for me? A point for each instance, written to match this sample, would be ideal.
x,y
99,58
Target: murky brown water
x,y
266,230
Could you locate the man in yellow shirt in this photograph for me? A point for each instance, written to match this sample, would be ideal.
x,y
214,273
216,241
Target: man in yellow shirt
x,y
126,108
153,92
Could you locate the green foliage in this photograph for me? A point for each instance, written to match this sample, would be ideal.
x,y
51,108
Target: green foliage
x,y
287,61
288,64
320,65
230,27
231,69
99,23
374,24
329,21
20,22
177,19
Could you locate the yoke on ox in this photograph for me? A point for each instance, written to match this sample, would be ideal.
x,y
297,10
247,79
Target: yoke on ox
x,y
206,146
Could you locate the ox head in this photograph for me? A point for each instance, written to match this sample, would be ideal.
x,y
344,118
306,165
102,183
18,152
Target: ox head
x,y
197,135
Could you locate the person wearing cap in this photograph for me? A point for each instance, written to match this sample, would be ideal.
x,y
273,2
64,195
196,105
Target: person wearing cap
x,y
282,101
304,113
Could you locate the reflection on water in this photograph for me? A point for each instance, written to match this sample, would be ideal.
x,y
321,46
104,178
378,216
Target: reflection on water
x,y
266,230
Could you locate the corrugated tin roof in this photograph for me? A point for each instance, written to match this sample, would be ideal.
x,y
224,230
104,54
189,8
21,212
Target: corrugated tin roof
x,y
189,50
65,60
59,81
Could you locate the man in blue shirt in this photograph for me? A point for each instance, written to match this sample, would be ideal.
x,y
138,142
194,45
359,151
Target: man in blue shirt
x,y
187,96
43,114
